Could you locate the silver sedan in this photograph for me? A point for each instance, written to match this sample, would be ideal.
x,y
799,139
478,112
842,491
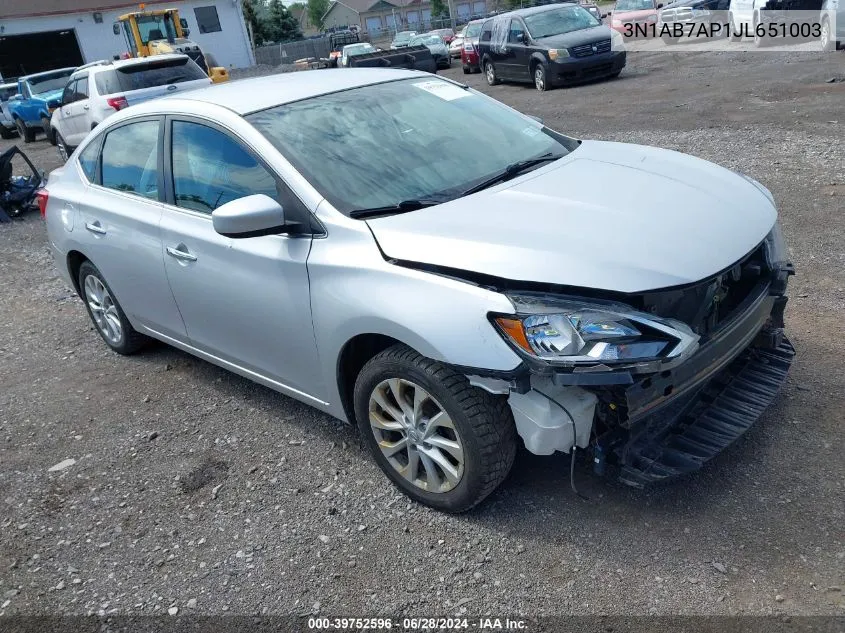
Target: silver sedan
x,y
414,257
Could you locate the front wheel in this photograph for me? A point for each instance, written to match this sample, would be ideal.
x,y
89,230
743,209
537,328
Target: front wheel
x,y
540,82
24,132
490,72
105,312
440,440
827,42
61,147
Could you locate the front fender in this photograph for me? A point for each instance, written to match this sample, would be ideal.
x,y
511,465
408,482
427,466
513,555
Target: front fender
x,y
355,291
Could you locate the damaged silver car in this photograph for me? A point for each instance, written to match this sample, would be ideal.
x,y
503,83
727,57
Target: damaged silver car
x,y
454,277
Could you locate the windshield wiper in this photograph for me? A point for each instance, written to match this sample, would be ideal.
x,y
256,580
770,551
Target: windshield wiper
x,y
512,171
399,207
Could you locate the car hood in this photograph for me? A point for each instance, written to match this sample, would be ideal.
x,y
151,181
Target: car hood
x,y
611,216
52,95
576,38
633,15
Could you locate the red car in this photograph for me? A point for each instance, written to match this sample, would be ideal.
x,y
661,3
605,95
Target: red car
x,y
635,17
469,53
447,35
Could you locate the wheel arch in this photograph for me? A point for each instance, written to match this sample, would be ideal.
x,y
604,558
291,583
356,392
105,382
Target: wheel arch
x,y
354,354
75,259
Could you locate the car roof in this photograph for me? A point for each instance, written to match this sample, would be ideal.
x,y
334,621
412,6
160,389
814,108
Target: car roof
x,y
49,72
245,96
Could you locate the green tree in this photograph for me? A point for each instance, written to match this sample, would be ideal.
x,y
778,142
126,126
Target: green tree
x,y
439,9
316,10
281,26
254,22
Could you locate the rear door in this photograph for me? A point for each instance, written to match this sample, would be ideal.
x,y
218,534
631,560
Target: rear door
x,y
120,215
75,115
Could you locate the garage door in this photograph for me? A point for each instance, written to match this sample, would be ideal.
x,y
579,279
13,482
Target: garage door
x,y
413,18
463,11
373,25
36,52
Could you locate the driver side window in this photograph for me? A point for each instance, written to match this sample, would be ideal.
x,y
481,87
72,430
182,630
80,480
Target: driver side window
x,y
516,32
211,168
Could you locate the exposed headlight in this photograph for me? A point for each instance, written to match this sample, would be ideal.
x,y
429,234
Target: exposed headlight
x,y
759,186
558,53
776,252
572,332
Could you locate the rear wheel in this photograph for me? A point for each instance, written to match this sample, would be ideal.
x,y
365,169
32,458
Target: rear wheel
x,y
24,132
440,440
825,39
61,147
105,312
490,71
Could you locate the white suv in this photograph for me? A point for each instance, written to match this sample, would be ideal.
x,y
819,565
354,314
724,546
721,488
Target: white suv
x,y
97,90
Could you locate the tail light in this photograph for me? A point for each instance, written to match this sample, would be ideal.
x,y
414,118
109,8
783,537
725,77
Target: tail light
x,y
41,197
118,103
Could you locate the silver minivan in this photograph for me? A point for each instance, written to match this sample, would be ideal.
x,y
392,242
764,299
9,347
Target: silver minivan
x,y
454,277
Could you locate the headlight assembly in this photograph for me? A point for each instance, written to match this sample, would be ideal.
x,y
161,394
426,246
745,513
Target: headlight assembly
x,y
558,53
571,333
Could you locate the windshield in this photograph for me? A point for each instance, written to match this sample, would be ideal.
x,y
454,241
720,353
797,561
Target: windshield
x,y
634,5
358,49
403,36
559,21
155,27
412,139
429,40
47,83
473,30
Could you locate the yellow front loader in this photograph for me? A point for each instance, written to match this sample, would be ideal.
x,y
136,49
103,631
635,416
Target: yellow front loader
x,y
149,33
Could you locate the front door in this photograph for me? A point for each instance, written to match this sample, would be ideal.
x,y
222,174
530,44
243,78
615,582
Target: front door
x,y
244,301
514,65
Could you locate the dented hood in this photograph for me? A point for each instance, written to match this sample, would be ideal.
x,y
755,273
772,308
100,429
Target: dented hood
x,y
611,216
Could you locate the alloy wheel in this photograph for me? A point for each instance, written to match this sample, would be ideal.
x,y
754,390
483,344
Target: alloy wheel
x,y
491,73
824,38
539,78
103,309
416,435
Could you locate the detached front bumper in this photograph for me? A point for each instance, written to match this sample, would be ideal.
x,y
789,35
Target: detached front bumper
x,y
575,70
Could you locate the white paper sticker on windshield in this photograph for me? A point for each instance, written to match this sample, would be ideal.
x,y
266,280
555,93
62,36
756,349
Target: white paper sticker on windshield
x,y
443,89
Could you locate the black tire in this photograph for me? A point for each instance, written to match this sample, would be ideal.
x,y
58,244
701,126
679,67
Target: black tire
x,y
540,78
6,133
48,131
483,422
490,72
467,70
61,147
614,75
24,132
130,341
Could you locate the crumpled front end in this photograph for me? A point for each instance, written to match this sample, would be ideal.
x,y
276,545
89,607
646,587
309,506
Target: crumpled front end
x,y
669,416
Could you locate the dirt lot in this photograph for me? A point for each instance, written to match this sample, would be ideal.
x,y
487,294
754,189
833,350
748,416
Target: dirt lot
x,y
199,490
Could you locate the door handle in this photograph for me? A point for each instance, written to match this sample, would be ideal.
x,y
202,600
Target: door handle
x,y
172,87
86,107
180,254
95,227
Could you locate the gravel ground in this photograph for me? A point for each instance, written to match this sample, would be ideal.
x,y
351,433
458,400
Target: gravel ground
x,y
192,489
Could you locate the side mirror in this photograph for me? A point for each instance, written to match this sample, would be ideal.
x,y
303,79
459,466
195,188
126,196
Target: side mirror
x,y
186,32
115,28
659,6
183,23
251,216
607,15
523,37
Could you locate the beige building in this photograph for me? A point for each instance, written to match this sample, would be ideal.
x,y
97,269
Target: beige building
x,y
380,17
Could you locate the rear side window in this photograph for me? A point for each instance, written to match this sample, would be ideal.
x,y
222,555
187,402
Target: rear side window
x,y
88,161
149,75
486,31
210,169
130,159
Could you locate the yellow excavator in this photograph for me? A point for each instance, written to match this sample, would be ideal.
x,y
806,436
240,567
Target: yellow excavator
x,y
149,33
